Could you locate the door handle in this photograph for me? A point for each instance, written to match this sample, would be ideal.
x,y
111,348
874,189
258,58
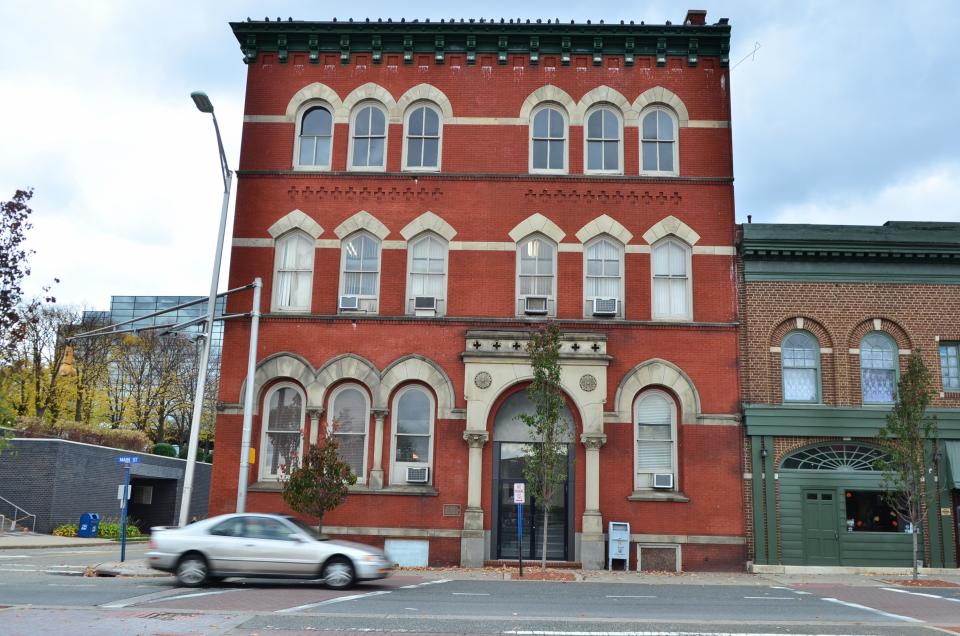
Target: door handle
x,y
836,535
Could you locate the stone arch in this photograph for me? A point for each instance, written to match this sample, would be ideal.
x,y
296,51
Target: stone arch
x,y
550,93
375,92
499,391
421,369
657,372
362,220
890,327
671,225
317,91
661,95
801,323
347,366
425,93
604,224
278,366
537,223
428,222
610,96
295,220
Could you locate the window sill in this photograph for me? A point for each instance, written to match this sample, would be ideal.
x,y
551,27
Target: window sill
x,y
653,495
416,491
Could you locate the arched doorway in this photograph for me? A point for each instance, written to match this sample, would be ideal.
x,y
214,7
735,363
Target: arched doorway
x,y
510,438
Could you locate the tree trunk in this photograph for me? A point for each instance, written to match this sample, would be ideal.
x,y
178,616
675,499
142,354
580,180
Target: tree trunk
x,y
543,556
914,533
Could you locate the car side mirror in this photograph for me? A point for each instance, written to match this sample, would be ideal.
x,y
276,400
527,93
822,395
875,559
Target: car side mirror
x,y
299,538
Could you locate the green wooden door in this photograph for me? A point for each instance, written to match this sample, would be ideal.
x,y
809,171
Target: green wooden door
x,y
820,536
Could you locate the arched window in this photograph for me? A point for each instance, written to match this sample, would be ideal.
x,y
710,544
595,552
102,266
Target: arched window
x,y
360,283
536,276
655,437
603,283
800,353
548,140
368,134
428,275
413,419
282,438
878,368
658,141
672,294
348,421
604,152
315,138
422,151
293,272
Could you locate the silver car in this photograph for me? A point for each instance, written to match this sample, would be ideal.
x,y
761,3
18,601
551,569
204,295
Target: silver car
x,y
261,546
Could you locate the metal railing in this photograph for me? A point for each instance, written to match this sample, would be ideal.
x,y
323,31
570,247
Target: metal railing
x,y
19,515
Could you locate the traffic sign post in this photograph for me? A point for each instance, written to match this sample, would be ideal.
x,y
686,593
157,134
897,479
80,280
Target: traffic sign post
x,y
127,461
519,496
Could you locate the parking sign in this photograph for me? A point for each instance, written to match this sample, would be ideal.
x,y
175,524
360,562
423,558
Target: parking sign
x,y
519,493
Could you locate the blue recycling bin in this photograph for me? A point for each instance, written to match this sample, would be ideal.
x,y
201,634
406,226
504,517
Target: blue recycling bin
x,y
89,525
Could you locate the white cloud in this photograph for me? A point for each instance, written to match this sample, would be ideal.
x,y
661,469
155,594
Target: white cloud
x,y
933,195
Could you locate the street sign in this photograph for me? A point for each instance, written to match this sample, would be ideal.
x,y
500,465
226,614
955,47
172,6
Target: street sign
x,y
128,459
519,493
120,493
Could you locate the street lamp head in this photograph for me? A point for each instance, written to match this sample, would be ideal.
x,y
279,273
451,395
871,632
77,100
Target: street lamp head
x,y
204,105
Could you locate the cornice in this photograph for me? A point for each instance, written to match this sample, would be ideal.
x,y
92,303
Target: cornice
x,y
479,176
473,37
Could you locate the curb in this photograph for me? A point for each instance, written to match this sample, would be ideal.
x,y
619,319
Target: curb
x,y
108,570
55,545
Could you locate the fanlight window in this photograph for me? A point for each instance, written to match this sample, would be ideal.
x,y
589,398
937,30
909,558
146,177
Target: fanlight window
x,y
836,457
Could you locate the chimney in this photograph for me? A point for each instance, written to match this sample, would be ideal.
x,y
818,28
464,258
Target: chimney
x,y
695,17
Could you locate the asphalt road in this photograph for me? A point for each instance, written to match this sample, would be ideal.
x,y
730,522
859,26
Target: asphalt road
x,y
43,591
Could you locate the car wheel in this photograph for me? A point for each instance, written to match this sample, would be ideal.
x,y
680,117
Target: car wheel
x,y
192,570
338,573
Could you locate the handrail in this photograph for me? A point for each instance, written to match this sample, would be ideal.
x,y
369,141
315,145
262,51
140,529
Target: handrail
x,y
16,517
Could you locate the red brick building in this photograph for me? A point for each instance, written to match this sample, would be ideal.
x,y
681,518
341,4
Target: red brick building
x,y
830,314
418,197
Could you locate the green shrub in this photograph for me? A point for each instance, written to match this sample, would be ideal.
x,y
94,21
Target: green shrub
x,y
66,530
125,439
166,450
110,529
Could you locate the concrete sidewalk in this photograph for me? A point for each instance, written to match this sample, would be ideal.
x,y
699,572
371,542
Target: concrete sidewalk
x,y
28,540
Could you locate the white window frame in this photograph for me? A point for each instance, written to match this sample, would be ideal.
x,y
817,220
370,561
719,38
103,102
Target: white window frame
x,y
406,137
688,316
896,365
275,301
373,301
353,127
946,344
552,299
816,368
566,139
676,141
330,413
398,469
674,440
441,300
586,126
263,473
301,113
587,298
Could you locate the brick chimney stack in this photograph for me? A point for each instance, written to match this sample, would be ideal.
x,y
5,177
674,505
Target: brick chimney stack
x,y
695,17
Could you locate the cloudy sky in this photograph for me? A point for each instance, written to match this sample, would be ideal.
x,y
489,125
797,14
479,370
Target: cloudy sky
x,y
844,114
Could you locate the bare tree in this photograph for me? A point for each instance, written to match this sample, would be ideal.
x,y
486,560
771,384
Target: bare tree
x,y
89,361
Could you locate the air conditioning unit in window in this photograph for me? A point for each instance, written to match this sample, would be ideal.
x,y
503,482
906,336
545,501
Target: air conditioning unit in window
x,y
349,303
605,306
418,475
424,305
535,305
663,480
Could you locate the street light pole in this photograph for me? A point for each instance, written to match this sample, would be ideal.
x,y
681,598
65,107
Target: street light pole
x,y
244,475
204,105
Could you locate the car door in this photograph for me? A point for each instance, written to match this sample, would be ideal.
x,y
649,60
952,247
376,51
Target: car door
x,y
226,546
278,549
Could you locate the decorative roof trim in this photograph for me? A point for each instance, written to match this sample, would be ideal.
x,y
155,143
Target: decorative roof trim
x,y
537,223
362,220
428,222
295,220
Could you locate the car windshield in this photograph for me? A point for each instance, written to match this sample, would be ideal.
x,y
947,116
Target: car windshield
x,y
310,531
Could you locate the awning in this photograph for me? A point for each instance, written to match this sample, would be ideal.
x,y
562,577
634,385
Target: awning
x,y
953,459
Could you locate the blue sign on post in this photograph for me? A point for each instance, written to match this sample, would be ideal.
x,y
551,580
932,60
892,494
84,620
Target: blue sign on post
x,y
128,459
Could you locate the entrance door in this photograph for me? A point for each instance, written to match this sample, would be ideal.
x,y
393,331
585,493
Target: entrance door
x,y
820,536
508,547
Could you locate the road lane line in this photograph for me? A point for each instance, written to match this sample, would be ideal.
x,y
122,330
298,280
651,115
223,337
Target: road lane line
x,y
937,596
772,598
14,556
133,600
629,596
657,633
470,594
908,619
339,599
194,595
